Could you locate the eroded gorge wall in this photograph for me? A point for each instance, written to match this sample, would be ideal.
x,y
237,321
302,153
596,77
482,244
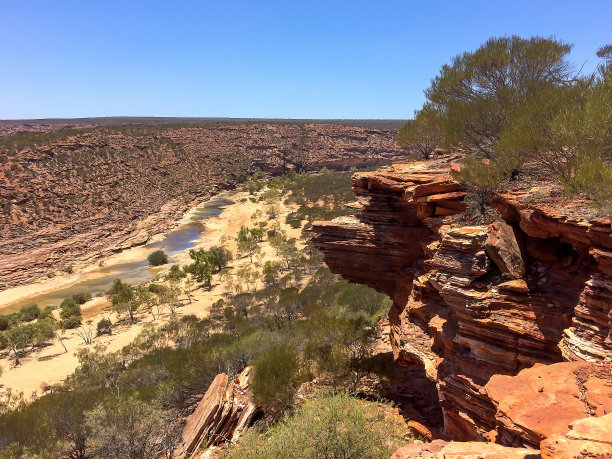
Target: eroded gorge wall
x,y
511,320
100,190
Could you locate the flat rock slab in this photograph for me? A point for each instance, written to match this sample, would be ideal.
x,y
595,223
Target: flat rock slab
x,y
463,450
545,400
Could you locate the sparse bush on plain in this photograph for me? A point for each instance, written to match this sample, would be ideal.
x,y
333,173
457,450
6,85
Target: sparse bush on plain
x,y
170,365
81,297
175,274
71,322
104,326
30,313
157,258
69,308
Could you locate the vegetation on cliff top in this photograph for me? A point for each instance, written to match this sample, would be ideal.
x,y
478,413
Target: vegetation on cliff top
x,y
516,102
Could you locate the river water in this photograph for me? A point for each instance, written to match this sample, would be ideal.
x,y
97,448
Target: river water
x,y
134,272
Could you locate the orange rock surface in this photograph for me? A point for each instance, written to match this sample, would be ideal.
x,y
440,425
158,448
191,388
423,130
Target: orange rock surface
x,y
479,307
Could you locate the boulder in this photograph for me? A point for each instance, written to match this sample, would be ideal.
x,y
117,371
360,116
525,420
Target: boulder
x,y
223,414
420,430
504,248
516,285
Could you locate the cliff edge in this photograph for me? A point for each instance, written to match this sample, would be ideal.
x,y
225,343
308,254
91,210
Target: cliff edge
x,y
511,320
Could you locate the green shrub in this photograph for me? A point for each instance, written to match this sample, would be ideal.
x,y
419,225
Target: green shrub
x,y
46,313
157,258
423,134
477,103
71,322
270,271
81,297
360,298
50,426
104,327
219,257
175,273
277,377
156,288
3,341
593,178
4,323
69,308
129,428
336,426
483,177
294,220
29,313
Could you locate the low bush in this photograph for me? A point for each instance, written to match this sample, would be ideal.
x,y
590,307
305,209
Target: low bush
x,y
81,297
277,377
46,313
105,326
157,258
71,322
175,273
129,428
69,308
29,313
337,426
155,288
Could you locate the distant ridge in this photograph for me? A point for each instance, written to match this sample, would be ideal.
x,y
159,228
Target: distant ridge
x,y
153,120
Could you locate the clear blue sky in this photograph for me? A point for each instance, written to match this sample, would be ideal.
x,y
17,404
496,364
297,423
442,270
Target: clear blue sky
x,y
281,59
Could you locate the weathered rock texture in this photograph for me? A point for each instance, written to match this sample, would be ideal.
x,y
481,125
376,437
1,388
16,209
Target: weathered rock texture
x,y
80,195
222,415
471,303
589,437
440,449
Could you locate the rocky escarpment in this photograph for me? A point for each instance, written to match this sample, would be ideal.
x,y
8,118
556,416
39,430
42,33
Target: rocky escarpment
x,y
88,192
473,304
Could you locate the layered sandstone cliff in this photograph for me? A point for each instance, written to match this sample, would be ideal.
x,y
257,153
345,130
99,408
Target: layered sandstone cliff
x,y
511,320
87,192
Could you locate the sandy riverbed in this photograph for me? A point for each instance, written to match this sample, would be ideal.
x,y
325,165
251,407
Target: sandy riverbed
x,y
92,270
52,364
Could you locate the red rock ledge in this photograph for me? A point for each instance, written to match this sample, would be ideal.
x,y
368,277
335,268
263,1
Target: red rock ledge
x,y
512,321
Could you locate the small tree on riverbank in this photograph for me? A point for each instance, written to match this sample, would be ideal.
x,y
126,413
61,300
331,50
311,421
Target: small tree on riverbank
x,y
127,299
202,267
247,242
158,258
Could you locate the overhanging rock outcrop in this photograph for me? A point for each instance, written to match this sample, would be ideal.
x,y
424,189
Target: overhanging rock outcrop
x,y
471,303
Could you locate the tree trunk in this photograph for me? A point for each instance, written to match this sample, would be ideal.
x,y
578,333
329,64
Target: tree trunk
x,y
62,343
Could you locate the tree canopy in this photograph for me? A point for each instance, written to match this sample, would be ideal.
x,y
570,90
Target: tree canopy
x,y
480,92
